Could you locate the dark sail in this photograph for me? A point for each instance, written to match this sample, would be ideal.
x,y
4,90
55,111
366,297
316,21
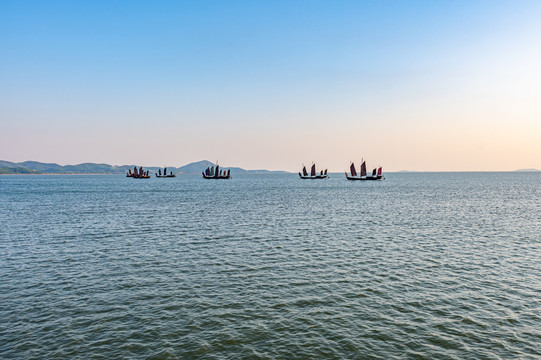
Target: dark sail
x,y
374,172
217,172
352,169
160,172
165,171
313,170
325,171
228,172
212,171
304,172
363,169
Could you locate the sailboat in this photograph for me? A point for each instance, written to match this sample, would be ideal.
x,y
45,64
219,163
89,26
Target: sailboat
x,y
159,174
377,174
211,173
313,175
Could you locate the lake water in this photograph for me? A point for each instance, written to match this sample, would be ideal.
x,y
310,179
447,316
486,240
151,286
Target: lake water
x,y
421,265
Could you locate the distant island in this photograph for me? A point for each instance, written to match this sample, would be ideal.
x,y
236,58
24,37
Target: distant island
x,y
526,170
35,167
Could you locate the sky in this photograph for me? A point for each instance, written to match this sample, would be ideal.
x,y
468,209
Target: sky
x,y
408,85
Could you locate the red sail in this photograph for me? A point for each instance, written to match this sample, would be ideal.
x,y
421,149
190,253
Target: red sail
x,y
363,169
304,172
380,170
352,169
313,170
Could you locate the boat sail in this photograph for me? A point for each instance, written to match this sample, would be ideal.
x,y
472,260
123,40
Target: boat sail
x,y
376,174
352,170
313,174
363,169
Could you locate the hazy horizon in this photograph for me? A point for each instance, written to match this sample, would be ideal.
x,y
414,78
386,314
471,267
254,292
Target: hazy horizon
x,y
357,165
419,86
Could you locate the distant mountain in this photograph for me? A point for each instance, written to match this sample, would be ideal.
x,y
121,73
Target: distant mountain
x,y
7,167
43,167
196,167
17,170
7,164
200,166
35,167
527,170
52,168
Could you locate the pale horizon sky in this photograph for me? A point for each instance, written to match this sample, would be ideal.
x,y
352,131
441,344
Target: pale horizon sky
x,y
421,85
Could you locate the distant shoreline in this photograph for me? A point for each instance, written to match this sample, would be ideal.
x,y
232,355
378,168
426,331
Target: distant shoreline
x,y
39,168
56,174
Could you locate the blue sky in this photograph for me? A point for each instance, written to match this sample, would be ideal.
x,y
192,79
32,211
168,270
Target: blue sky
x,y
442,85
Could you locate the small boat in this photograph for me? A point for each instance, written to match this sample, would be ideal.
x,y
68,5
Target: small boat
x,y
211,173
377,174
313,174
138,174
165,175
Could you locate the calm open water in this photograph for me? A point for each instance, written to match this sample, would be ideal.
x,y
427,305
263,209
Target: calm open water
x,y
434,265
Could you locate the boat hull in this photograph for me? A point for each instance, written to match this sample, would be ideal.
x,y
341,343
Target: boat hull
x,y
366,178
220,177
317,177
166,176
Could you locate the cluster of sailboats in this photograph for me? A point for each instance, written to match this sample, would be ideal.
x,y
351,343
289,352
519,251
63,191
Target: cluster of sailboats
x,y
142,174
212,172
209,173
377,174
138,174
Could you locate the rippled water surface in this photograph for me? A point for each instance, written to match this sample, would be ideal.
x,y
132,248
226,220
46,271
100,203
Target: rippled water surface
x,y
443,265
